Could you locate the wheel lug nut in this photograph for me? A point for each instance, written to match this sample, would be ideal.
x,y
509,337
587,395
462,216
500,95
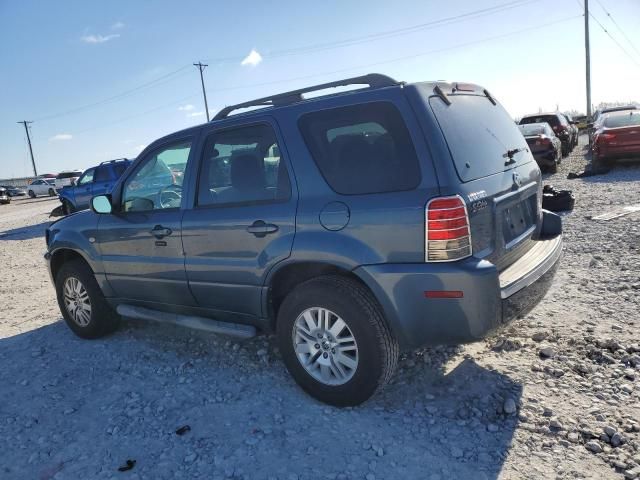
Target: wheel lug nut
x,y
319,335
333,350
316,346
325,355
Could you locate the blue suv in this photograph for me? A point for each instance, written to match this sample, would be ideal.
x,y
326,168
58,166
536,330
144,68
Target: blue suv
x,y
94,181
352,225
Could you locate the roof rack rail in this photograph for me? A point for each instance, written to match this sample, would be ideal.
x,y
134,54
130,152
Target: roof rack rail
x,y
374,80
114,160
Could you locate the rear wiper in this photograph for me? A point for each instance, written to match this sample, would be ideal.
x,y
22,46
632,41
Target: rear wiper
x,y
511,153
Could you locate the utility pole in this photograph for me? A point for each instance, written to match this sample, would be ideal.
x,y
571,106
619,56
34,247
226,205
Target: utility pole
x,y
201,66
587,56
26,129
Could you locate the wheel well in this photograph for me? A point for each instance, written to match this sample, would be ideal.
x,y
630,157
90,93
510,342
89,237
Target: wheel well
x,y
290,276
61,257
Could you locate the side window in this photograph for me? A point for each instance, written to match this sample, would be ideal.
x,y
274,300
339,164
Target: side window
x,y
37,182
157,184
87,177
120,168
102,174
242,165
362,149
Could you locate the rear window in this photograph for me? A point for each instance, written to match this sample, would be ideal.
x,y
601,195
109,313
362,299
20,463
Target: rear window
x,y
64,175
479,134
552,120
615,121
535,129
362,149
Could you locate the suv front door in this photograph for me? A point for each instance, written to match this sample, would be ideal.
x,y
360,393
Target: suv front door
x,y
141,242
243,221
84,189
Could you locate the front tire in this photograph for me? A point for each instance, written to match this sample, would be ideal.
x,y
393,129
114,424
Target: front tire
x,y
335,342
52,192
82,303
67,207
32,194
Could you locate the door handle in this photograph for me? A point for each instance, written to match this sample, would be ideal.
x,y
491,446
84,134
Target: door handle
x,y
260,229
160,232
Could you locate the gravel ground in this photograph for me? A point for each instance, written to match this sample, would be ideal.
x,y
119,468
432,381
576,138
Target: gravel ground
x,y
553,396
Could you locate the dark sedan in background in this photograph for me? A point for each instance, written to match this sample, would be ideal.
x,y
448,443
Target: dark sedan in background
x,y
4,196
617,136
14,191
545,147
560,125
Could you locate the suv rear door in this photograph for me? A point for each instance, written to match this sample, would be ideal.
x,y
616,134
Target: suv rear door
x,y
243,220
497,176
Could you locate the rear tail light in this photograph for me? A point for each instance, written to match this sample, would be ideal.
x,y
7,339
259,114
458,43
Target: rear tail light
x,y
543,140
447,232
607,136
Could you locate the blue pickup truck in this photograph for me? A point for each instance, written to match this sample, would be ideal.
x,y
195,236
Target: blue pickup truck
x,y
94,181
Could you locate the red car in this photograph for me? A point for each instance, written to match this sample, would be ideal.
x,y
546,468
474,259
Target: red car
x,y
618,136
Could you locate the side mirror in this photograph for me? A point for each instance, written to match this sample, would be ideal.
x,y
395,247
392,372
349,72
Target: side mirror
x,y
101,204
590,125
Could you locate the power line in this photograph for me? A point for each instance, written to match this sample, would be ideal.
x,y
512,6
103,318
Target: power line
x,y
170,76
618,27
604,29
342,70
158,81
614,40
389,33
136,115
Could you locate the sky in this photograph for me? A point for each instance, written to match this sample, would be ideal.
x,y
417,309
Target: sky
x,y
101,80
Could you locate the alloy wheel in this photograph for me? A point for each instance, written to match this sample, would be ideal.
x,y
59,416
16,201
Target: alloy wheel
x,y
77,302
325,346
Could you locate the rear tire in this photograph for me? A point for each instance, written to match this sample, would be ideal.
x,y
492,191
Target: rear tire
x,y
32,194
372,354
82,303
52,192
553,168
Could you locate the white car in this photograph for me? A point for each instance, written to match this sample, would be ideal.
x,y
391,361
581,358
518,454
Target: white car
x,y
41,186
66,178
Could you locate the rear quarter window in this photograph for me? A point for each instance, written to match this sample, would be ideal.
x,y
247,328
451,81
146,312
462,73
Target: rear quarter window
x,y
362,149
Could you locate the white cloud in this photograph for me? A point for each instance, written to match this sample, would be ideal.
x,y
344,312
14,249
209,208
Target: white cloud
x,y
117,26
253,59
186,108
61,137
195,114
98,38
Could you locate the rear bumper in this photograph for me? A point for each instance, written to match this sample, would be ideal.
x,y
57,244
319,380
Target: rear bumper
x,y
545,158
618,151
490,298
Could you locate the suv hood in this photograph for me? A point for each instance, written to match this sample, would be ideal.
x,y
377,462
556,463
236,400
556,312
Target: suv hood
x,y
77,221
